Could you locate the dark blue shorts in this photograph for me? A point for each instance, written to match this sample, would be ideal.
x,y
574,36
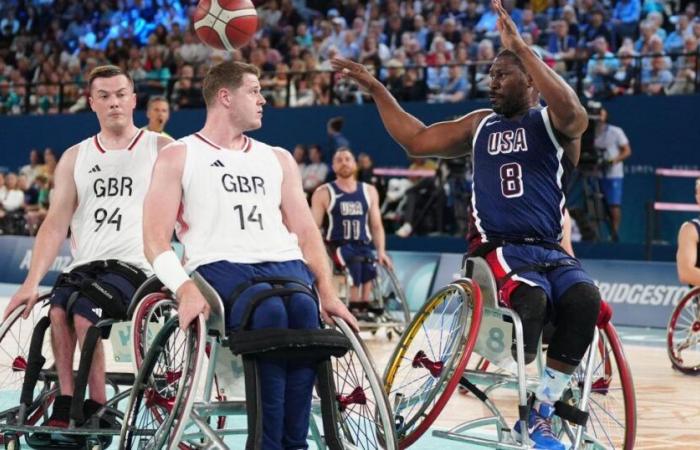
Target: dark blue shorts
x,y
554,282
85,307
287,385
612,189
359,260
225,277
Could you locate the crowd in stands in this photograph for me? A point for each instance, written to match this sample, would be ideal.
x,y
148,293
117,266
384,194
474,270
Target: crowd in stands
x,y
423,50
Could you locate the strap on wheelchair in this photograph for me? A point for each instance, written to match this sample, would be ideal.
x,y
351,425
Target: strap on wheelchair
x,y
571,413
103,295
35,361
315,346
92,337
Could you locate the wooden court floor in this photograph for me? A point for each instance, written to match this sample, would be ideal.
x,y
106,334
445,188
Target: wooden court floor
x,y
668,402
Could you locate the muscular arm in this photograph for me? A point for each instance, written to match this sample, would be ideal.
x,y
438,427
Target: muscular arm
x,y
163,200
375,221
686,255
54,229
444,139
299,220
319,204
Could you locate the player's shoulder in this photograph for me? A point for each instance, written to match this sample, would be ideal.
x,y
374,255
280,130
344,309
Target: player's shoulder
x,y
691,229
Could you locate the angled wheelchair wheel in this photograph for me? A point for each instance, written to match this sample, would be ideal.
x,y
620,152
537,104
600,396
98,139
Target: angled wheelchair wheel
x,y
683,335
365,419
387,290
15,340
163,393
612,422
431,356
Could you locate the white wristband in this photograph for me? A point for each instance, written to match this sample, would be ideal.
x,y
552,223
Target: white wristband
x,y
169,271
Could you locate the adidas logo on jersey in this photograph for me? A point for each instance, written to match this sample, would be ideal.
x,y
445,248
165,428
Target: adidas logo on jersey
x,y
95,169
217,163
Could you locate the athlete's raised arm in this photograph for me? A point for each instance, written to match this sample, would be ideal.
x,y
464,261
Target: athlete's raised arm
x,y
448,139
568,116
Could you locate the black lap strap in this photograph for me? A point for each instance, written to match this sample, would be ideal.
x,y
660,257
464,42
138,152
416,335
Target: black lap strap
x,y
106,297
289,344
571,413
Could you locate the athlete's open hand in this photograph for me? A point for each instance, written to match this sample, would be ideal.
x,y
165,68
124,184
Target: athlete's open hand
x,y
355,71
335,307
190,303
510,38
384,260
25,295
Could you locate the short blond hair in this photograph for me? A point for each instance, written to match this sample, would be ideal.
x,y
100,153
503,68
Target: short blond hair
x,y
228,74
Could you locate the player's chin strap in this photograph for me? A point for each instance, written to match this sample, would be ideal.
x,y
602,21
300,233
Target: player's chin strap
x,y
312,345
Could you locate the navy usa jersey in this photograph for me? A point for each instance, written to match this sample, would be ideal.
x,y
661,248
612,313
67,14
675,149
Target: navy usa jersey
x,y
519,179
348,214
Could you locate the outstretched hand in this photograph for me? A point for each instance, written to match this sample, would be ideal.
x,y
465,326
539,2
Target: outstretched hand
x,y
510,38
355,71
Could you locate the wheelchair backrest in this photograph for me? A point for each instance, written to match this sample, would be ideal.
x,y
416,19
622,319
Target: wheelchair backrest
x,y
495,334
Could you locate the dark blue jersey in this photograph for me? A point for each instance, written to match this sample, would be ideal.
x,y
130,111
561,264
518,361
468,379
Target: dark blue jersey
x,y
348,214
519,174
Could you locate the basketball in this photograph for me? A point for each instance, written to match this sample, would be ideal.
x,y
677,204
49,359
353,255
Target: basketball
x,y
225,24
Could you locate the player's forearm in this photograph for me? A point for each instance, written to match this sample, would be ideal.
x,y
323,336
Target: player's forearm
x,y
560,97
314,253
46,247
379,238
402,126
154,243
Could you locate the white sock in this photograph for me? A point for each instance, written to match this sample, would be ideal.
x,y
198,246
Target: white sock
x,y
552,385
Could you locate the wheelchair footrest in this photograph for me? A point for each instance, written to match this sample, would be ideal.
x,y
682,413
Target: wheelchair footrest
x,y
571,413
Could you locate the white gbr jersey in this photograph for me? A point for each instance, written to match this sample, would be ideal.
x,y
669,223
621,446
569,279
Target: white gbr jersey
x,y
111,185
230,208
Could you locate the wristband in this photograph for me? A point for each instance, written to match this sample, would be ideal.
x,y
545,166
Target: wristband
x,y
169,271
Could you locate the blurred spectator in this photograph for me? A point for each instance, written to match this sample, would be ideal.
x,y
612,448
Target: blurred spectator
x,y
529,25
50,162
316,172
601,66
300,156
186,92
686,65
657,79
675,41
3,188
414,88
596,27
34,167
336,139
625,17
157,113
626,75
421,189
13,199
365,169
561,46
452,89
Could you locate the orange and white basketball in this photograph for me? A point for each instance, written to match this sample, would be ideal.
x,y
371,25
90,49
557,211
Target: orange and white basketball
x,y
225,24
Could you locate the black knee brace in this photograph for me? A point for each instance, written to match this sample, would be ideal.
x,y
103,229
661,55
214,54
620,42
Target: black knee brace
x,y
576,316
531,305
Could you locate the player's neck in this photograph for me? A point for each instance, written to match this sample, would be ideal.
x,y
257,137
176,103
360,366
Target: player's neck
x,y
155,128
347,184
223,134
117,138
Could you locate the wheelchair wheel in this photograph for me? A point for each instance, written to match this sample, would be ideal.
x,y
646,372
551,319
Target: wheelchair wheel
x,y
149,317
15,340
430,358
612,422
365,419
387,290
163,393
683,336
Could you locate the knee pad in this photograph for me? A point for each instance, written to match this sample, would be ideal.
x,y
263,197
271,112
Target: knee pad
x,y
531,305
576,316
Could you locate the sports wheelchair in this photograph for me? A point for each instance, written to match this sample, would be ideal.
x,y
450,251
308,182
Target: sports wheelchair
x,y
683,335
389,307
27,371
461,335
189,385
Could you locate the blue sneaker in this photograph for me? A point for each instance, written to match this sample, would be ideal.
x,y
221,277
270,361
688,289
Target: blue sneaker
x,y
539,427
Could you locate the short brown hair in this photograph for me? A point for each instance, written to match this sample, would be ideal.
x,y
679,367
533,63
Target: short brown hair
x,y
156,98
107,71
228,74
